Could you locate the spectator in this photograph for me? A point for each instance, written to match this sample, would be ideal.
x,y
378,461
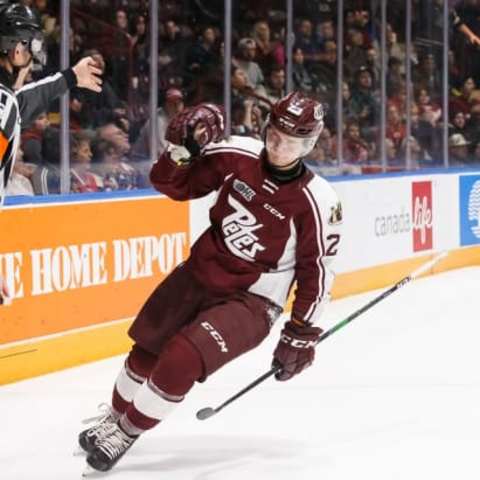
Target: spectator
x,y
83,180
302,80
357,52
19,182
461,101
364,103
275,87
305,40
395,77
458,150
326,72
32,140
174,104
395,49
267,52
372,62
246,61
327,142
325,32
427,74
429,111
427,137
114,164
396,130
458,124
473,126
355,148
202,55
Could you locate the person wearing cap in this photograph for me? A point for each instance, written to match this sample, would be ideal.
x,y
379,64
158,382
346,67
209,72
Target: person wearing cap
x,y
458,150
246,61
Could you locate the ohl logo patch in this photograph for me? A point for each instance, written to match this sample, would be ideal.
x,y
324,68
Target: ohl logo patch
x,y
469,209
422,216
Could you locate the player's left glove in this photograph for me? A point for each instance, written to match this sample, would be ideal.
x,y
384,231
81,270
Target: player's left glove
x,y
295,350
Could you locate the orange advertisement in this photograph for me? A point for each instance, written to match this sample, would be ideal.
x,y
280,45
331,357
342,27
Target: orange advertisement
x,y
78,264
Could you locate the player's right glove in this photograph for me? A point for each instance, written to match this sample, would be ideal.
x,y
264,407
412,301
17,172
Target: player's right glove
x,y
296,349
181,129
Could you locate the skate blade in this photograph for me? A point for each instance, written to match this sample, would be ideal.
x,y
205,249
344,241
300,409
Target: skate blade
x,y
79,452
90,472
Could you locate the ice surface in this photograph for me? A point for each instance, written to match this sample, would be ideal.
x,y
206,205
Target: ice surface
x,y
395,395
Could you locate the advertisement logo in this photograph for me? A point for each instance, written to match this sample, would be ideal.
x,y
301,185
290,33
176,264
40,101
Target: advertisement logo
x,y
422,216
469,209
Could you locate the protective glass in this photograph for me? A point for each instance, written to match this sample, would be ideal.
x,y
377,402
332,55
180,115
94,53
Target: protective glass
x,y
279,143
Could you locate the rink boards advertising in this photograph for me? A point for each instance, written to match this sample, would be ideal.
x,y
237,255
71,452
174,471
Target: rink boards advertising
x,y
79,264
80,270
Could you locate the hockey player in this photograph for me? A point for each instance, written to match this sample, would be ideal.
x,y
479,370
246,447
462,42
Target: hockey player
x,y
21,41
273,222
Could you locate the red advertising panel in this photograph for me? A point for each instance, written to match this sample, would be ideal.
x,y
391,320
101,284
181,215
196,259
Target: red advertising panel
x,y
422,216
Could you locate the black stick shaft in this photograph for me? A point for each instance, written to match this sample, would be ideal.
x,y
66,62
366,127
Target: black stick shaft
x,y
340,325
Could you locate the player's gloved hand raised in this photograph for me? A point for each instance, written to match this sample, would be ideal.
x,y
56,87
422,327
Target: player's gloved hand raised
x,y
296,349
193,128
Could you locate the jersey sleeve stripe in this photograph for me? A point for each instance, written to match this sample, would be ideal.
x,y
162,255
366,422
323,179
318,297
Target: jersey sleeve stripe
x,y
321,252
43,81
231,150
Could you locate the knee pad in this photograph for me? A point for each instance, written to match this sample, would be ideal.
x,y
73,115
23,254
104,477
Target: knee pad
x,y
178,367
140,362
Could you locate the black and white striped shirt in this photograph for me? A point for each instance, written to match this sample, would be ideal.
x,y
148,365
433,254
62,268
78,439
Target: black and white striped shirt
x,y
19,109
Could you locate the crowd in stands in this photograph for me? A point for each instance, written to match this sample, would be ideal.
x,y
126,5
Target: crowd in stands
x,y
110,131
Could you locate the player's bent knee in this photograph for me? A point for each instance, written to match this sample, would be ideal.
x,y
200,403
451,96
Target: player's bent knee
x,y
178,367
141,362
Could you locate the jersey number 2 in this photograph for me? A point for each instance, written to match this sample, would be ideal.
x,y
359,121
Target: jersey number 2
x,y
333,240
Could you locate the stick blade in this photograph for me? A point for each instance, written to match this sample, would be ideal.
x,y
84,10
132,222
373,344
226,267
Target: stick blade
x,y
205,413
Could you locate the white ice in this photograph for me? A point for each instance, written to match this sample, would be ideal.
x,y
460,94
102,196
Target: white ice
x,y
395,395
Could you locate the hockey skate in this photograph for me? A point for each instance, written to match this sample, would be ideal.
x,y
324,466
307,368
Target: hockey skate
x,y
108,450
87,438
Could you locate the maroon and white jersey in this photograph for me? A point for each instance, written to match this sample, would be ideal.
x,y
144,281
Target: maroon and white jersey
x,y
264,235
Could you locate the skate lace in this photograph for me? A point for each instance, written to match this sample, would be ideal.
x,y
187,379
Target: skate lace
x,y
116,443
104,421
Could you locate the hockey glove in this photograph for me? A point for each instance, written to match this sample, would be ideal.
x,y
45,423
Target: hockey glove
x,y
295,350
181,129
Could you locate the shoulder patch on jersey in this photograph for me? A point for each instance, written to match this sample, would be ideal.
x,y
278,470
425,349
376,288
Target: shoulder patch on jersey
x,y
336,215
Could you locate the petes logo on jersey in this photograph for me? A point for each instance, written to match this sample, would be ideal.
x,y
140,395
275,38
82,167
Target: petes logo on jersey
x,y
238,229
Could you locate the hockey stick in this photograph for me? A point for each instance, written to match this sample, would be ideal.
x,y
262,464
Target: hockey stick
x,y
208,412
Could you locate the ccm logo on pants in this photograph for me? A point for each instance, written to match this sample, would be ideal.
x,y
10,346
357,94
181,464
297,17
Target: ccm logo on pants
x,y
216,336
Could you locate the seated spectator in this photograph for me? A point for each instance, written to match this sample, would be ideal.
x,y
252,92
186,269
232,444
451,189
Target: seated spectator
x,y
240,84
174,103
458,150
325,72
429,111
306,41
327,142
82,178
356,56
395,77
396,130
246,61
458,124
373,63
427,74
268,54
246,118
203,53
355,148
395,49
461,101
32,140
325,32
112,148
302,80
391,152
427,136
363,102
19,182
275,86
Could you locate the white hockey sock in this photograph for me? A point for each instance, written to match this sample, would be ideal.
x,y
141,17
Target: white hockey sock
x,y
150,406
128,383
